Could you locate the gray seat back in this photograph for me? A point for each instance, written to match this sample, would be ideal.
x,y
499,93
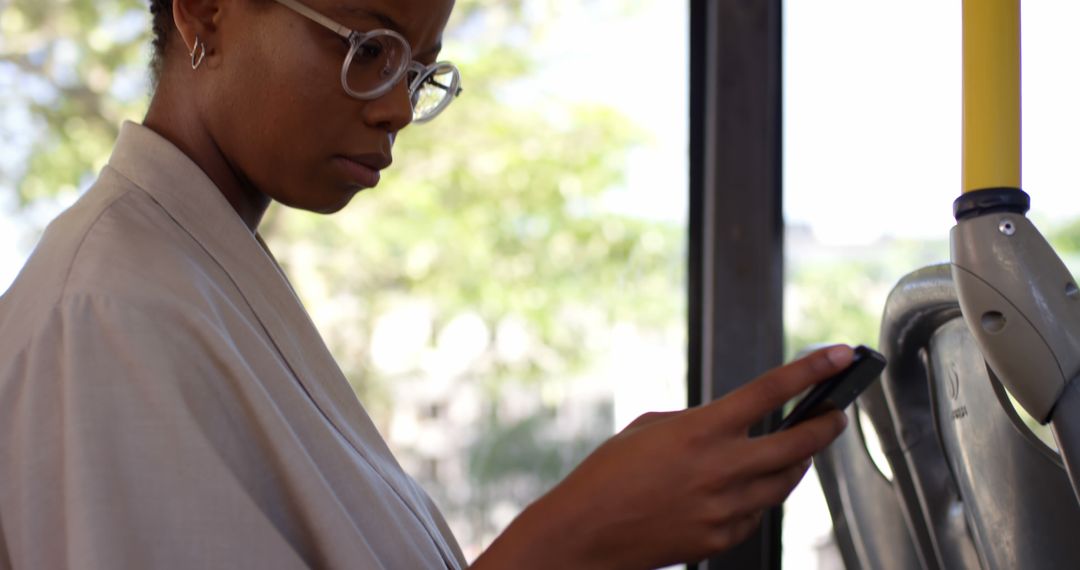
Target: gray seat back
x,y
919,304
868,521
1017,496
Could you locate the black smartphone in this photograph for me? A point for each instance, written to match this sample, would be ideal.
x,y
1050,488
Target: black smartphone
x,y
837,392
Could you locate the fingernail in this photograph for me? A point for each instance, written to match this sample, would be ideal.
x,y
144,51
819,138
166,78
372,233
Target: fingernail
x,y
843,420
839,355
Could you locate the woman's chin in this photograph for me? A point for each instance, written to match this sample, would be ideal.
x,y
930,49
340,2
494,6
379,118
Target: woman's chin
x,y
323,202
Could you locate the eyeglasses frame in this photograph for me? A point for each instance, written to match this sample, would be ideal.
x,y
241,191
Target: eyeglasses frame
x,y
355,39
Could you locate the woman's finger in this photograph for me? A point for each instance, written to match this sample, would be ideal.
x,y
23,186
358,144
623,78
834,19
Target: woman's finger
x,y
765,492
777,451
652,417
748,404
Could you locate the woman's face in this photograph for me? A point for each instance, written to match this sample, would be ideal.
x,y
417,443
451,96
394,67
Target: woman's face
x,y
276,108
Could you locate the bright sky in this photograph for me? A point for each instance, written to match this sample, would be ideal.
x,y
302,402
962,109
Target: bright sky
x,y
636,62
872,123
872,108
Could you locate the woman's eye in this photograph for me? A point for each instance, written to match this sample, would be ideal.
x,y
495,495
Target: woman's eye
x,y
370,50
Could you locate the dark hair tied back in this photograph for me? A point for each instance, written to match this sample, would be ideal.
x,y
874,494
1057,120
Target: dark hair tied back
x,y
161,13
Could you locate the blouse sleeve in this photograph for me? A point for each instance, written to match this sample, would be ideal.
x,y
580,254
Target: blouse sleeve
x,y
124,444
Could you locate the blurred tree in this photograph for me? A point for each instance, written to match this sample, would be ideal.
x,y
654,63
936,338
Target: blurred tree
x,y
70,72
832,302
511,457
838,295
1065,237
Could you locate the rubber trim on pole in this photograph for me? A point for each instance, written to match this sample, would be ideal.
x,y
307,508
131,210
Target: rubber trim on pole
x,y
991,200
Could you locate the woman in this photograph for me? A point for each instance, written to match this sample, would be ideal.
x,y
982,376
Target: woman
x,y
165,402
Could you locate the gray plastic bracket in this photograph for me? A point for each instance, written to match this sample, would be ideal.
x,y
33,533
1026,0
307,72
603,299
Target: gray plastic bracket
x,y
1021,304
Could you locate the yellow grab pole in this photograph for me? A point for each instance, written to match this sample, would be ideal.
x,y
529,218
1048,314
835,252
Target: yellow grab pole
x,y
991,144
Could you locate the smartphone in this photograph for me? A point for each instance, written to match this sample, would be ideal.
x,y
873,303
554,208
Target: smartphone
x,y
840,390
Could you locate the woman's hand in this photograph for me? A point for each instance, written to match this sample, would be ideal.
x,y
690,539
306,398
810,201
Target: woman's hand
x,y
677,486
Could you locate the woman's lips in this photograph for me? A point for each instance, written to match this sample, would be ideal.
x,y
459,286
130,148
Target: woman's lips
x,y
360,173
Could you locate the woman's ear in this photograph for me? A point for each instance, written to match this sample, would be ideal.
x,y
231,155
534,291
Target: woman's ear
x,y
197,18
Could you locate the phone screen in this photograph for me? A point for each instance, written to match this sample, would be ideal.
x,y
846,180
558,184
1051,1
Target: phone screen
x,y
837,392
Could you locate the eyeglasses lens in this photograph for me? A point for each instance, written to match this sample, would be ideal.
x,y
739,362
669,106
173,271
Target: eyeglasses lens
x,y
436,89
377,61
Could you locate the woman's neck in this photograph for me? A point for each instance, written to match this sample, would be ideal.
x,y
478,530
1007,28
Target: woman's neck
x,y
179,121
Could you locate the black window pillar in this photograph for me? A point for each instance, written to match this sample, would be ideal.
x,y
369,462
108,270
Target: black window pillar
x,y
736,222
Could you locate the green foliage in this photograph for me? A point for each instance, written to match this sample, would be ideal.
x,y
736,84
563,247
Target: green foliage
x,y
834,302
66,60
1066,238
839,297
521,459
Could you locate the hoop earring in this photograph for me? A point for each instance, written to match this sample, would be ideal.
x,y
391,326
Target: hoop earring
x,y
200,47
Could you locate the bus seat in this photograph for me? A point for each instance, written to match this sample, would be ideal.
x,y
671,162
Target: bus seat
x,y
868,522
921,303
1017,496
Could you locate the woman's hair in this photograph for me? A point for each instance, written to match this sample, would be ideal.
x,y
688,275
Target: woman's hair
x,y
161,12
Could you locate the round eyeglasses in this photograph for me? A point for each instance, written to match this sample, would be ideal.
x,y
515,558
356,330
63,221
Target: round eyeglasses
x,y
379,59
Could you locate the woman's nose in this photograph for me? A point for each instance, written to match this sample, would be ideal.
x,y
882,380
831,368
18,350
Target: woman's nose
x,y
393,110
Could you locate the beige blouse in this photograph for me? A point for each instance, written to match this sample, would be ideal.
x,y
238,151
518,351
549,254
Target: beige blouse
x,y
165,401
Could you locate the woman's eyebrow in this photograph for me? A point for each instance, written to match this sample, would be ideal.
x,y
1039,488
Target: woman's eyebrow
x,y
386,21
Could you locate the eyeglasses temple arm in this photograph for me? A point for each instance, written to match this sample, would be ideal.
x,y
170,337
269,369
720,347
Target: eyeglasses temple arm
x,y
446,87
317,18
